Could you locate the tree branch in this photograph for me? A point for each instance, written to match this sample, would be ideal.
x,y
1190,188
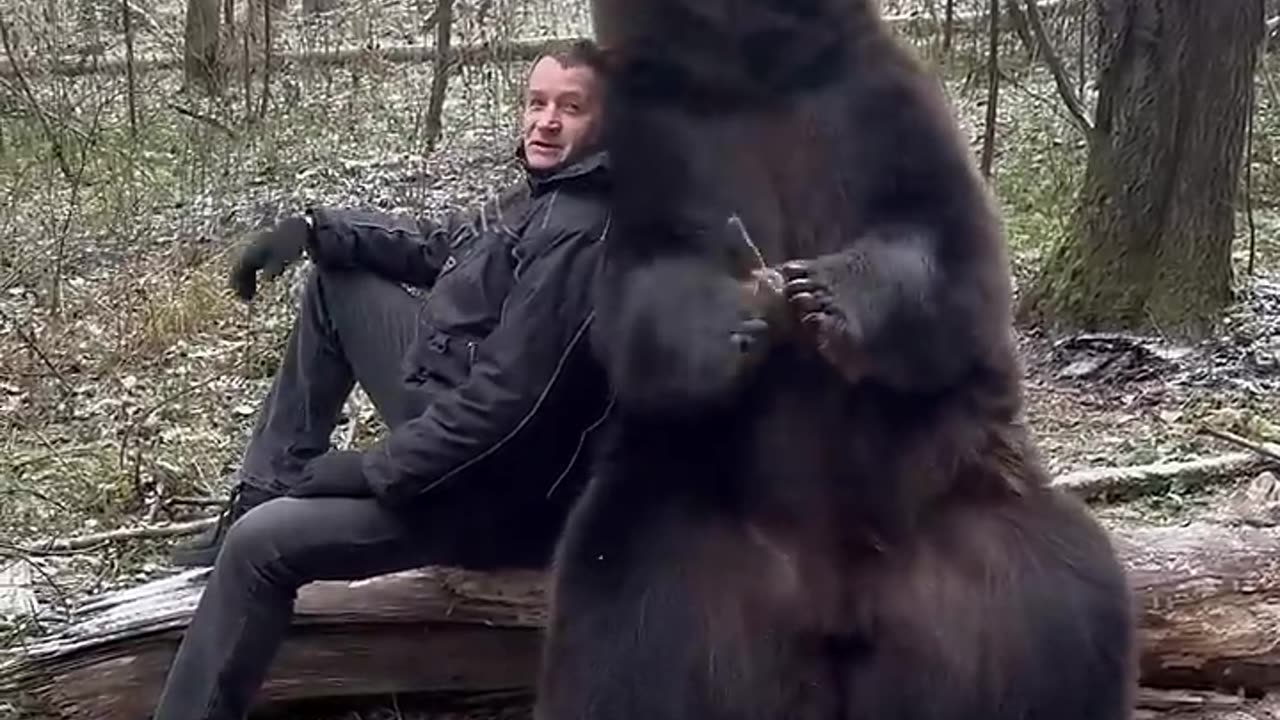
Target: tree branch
x,y
1074,105
1122,482
148,532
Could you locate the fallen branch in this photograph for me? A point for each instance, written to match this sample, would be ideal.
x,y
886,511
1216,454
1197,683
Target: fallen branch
x,y
1265,449
1126,482
200,117
146,532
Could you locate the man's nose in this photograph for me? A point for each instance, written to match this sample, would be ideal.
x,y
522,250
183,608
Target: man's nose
x,y
550,121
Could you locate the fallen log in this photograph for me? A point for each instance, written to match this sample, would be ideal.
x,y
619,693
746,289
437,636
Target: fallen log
x,y
423,631
1209,605
1209,613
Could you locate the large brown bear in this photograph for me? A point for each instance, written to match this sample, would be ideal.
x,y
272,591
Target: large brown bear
x,y
831,512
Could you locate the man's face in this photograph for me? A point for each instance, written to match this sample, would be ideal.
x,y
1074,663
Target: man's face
x,y
561,113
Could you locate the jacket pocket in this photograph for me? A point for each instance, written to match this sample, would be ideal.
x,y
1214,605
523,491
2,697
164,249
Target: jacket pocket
x,y
440,359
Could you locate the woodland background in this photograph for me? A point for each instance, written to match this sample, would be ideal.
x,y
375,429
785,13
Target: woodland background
x,y
141,141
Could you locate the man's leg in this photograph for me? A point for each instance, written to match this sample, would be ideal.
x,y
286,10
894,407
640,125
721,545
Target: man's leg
x,y
351,327
281,545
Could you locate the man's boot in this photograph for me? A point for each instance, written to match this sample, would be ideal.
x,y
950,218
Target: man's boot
x,y
202,550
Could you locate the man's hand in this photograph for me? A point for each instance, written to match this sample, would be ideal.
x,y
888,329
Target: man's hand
x,y
271,252
339,473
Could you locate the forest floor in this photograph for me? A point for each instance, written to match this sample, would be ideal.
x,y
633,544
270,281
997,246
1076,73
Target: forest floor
x,y
129,376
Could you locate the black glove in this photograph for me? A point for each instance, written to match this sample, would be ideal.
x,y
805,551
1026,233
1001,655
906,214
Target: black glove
x,y
271,252
339,473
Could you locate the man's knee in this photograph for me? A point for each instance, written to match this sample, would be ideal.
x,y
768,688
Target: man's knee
x,y
259,543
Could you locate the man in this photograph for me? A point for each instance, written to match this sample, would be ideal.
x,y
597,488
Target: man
x,y
488,413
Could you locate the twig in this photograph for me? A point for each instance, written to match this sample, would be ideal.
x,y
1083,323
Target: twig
x,y
1265,449
212,122
63,596
146,415
28,490
127,15
59,258
1048,102
145,532
9,551
197,501
15,68
34,346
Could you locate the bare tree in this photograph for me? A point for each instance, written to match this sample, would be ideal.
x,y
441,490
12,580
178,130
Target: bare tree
x,y
200,45
993,90
1150,247
440,71
1018,21
311,7
948,26
1056,67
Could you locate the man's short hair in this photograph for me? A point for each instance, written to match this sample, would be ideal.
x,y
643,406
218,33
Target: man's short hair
x,y
580,52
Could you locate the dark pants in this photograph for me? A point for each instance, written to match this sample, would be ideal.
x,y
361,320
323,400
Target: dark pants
x,y
351,328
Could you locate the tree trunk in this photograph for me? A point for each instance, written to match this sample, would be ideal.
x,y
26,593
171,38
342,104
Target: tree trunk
x,y
1018,21
948,27
993,90
200,45
1150,245
312,7
439,73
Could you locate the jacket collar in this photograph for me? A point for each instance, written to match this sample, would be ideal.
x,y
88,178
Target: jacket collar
x,y
540,180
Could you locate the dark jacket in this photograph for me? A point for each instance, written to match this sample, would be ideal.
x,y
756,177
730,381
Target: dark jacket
x,y
503,345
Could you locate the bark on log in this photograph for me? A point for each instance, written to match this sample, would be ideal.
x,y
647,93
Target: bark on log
x,y
1209,602
430,630
1209,609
